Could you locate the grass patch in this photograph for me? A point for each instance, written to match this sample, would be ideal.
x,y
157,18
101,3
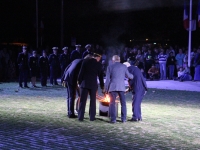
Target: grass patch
x,y
36,119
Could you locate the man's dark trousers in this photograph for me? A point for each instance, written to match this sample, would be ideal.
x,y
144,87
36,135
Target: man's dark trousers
x,y
112,109
83,100
71,95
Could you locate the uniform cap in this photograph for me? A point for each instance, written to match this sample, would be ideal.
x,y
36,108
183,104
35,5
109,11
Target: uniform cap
x,y
65,48
88,45
78,45
54,48
127,64
24,46
96,55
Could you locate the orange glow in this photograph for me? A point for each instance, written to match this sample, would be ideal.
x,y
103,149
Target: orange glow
x,y
107,98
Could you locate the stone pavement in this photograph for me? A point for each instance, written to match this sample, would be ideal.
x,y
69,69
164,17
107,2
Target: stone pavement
x,y
174,85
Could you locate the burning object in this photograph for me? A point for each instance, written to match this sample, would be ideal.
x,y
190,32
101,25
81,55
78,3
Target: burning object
x,y
104,102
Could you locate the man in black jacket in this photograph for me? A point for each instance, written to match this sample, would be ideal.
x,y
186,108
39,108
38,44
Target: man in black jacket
x,y
87,80
44,68
22,61
54,66
33,66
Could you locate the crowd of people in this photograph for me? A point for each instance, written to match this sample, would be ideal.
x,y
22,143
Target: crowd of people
x,y
80,69
164,63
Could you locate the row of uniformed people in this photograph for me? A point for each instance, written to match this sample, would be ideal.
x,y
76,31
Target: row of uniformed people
x,y
54,62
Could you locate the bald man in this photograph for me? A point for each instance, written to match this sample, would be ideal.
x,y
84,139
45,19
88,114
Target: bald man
x,y
115,85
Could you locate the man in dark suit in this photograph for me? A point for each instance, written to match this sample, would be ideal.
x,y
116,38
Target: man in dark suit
x,y
115,85
54,66
87,80
22,61
76,54
138,87
70,77
44,68
33,66
64,60
87,51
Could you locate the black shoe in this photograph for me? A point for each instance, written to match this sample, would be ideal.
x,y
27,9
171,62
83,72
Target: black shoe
x,y
93,119
113,122
134,120
123,121
26,87
72,116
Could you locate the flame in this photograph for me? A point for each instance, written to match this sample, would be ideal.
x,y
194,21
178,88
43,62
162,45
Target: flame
x,y
107,98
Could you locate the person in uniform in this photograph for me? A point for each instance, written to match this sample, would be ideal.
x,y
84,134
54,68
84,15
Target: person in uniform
x,y
115,85
33,66
22,61
138,87
44,68
87,51
54,66
87,81
76,54
64,60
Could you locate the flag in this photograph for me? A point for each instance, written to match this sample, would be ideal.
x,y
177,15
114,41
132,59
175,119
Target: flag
x,y
198,9
186,17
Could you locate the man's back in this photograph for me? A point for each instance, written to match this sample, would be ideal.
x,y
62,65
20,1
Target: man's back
x,y
115,76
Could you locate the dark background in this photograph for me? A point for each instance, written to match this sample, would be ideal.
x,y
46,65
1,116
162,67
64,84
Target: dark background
x,y
96,21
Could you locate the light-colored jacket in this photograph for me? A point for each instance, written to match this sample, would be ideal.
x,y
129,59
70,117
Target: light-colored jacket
x,y
115,76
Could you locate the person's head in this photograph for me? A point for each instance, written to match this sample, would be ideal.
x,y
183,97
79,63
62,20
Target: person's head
x,y
116,58
55,49
88,56
78,47
127,64
97,56
88,47
44,53
24,49
65,49
171,54
180,51
181,69
34,53
153,66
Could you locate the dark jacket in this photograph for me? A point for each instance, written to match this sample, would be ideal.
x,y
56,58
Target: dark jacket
x,y
43,63
89,71
138,83
22,61
75,55
54,61
72,71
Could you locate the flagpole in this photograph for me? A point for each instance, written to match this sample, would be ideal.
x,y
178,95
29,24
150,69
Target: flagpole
x,y
37,24
190,34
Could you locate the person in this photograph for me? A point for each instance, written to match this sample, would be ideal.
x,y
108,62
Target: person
x,y
153,72
43,65
171,62
70,77
138,87
179,59
184,74
197,65
22,61
64,60
148,62
54,66
162,59
114,85
87,51
33,66
87,80
76,54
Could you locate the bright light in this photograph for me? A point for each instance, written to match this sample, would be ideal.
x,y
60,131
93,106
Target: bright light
x,y
130,40
147,39
154,43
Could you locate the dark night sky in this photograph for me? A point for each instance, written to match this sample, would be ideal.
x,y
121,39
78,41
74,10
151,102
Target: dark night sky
x,y
93,21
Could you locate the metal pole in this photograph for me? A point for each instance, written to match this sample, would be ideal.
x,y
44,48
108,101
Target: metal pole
x,y
190,34
61,31
37,24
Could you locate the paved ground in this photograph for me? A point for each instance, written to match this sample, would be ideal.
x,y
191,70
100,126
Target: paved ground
x,y
174,85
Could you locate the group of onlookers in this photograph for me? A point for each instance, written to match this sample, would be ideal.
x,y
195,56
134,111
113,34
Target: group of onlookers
x,y
164,63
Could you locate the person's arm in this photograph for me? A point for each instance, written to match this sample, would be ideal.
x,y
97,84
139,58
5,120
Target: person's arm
x,y
128,74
